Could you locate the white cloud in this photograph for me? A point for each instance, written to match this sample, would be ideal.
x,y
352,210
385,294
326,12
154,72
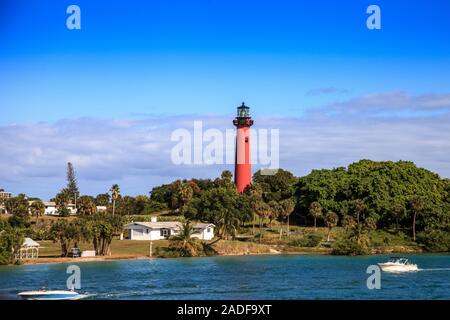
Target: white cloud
x,y
393,102
136,153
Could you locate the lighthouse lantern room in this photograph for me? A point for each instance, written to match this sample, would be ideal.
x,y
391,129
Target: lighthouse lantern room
x,y
242,169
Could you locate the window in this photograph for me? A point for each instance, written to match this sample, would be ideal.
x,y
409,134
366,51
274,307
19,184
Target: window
x,y
208,230
165,232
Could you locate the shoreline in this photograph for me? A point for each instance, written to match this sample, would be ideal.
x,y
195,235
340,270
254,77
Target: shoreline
x,y
61,260
118,258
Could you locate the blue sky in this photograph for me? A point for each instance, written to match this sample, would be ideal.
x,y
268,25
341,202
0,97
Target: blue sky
x,y
140,60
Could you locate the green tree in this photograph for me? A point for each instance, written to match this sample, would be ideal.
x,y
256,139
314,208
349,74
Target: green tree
x,y
348,222
287,206
359,235
60,231
226,180
62,201
416,207
115,194
101,228
72,186
315,211
398,212
254,195
331,221
11,239
37,209
275,210
359,209
370,223
263,210
18,206
10,242
184,243
102,199
276,186
86,206
185,194
224,207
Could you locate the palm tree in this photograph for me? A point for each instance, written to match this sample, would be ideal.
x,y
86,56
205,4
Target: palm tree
x,y
60,232
315,210
360,208
18,206
287,207
226,178
416,205
86,206
184,243
37,208
185,194
227,223
255,194
370,223
331,221
358,233
348,222
263,210
62,200
115,194
275,209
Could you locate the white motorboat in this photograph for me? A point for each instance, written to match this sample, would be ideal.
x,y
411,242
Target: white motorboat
x,y
44,294
398,264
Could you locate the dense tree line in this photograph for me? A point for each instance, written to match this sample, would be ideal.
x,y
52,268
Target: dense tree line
x,y
361,198
383,195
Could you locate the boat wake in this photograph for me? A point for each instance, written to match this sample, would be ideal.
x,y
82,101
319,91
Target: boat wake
x,y
435,269
84,296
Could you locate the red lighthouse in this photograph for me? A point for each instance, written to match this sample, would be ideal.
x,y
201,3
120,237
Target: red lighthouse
x,y
242,167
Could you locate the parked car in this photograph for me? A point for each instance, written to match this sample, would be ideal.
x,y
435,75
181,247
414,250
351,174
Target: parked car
x,y
75,252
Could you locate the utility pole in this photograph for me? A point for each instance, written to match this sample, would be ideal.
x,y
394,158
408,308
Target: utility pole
x,y
151,248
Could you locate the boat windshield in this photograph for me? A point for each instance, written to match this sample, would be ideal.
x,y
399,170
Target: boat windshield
x,y
398,260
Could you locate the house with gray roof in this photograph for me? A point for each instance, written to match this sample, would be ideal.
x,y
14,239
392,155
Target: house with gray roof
x,y
159,230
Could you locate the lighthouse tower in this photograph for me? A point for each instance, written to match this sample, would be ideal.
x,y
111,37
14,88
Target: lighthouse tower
x,y
242,167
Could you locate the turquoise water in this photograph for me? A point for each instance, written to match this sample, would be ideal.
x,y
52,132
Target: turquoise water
x,y
242,277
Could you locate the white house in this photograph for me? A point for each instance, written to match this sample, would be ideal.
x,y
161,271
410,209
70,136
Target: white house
x,y
50,208
101,208
162,230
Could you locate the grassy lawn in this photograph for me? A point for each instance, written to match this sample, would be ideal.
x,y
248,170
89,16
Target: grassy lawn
x,y
49,249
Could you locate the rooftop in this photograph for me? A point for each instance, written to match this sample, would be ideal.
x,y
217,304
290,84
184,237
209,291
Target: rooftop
x,y
167,225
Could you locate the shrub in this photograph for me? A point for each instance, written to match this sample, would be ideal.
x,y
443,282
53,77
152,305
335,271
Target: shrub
x,y
434,240
347,247
310,240
40,234
17,221
63,212
164,252
155,206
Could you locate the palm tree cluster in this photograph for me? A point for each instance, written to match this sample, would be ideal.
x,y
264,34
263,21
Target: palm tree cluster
x,y
98,229
271,210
